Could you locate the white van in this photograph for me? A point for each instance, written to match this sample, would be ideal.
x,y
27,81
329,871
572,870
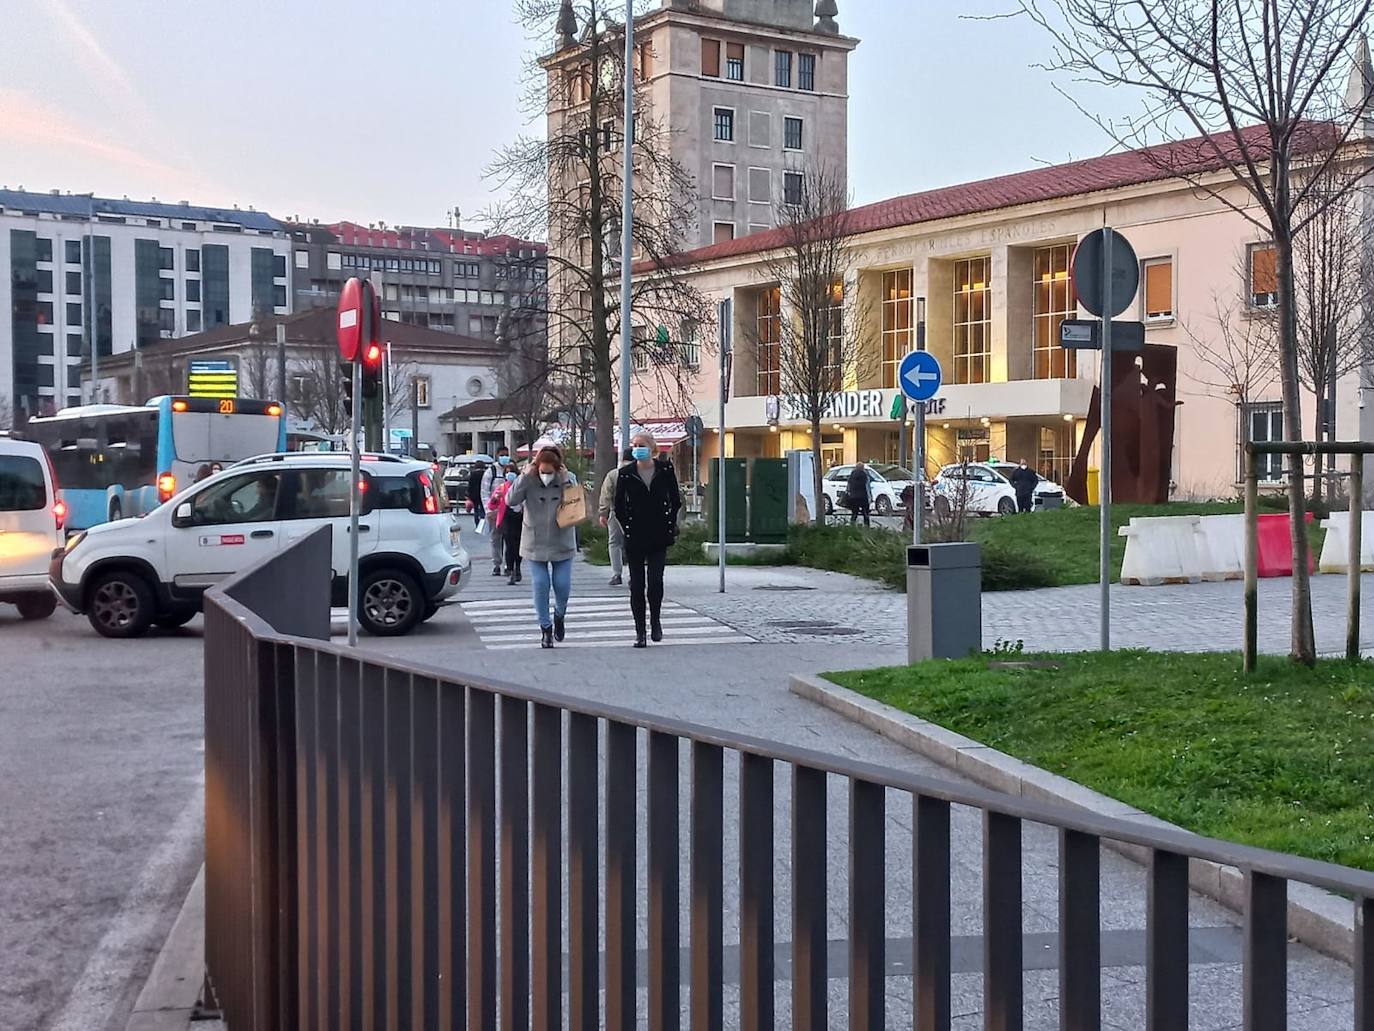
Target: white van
x,y
32,514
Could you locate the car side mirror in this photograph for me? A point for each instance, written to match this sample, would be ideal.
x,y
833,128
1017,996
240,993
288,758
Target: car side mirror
x,y
182,515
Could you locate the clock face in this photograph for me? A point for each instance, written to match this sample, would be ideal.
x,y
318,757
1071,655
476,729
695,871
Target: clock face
x,y
474,386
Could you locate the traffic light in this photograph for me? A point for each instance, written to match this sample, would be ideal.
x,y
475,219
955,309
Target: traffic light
x,y
346,384
372,369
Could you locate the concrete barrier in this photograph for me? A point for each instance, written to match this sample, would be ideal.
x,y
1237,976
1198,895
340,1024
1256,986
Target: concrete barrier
x,y
1222,546
1162,550
1335,557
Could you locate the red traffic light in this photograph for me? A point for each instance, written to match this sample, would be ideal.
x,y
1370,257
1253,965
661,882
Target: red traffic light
x,y
372,355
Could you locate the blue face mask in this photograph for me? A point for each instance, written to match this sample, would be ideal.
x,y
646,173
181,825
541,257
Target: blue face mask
x,y
640,453
510,477
503,460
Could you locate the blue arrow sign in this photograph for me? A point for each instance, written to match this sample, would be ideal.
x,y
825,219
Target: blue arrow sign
x,y
919,375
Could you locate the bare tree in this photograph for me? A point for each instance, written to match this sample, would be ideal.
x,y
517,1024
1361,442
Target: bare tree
x,y
1256,87
314,390
564,183
817,340
6,413
523,385
257,369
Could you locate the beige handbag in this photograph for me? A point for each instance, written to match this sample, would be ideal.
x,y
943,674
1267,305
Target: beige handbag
x,y
573,508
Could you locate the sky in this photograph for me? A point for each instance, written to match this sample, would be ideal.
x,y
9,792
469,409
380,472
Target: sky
x,y
390,112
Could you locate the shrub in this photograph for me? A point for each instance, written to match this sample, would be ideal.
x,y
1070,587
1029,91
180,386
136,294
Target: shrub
x,y
877,553
1015,569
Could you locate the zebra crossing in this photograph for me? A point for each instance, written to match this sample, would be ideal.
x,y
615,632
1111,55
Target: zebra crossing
x,y
592,622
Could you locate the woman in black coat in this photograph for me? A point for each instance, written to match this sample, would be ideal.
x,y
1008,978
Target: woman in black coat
x,y
647,502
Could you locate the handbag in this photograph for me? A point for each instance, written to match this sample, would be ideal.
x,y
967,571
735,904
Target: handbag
x,y
573,508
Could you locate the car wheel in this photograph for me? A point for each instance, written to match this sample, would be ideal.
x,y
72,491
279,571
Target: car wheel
x,y
121,605
1006,506
36,606
883,506
942,507
827,504
389,603
176,618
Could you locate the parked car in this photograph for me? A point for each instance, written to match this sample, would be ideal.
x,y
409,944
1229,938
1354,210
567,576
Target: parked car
x,y
456,476
1048,494
32,514
127,575
979,487
885,486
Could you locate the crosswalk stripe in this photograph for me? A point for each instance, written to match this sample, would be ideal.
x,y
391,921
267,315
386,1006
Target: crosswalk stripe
x,y
625,629
504,624
525,611
626,642
487,630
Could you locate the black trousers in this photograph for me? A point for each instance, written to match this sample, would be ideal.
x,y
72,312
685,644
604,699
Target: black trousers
x,y
510,534
1025,500
859,505
646,583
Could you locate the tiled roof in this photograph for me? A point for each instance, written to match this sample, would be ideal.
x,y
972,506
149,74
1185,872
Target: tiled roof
x,y
416,238
28,202
1128,168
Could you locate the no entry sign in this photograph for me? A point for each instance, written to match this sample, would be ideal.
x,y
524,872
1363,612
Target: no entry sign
x,y
359,318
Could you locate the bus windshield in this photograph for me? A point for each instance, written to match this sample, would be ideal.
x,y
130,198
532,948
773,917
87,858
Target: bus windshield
x,y
199,437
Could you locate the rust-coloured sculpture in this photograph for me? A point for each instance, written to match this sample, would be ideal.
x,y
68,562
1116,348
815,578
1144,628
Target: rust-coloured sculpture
x,y
1144,395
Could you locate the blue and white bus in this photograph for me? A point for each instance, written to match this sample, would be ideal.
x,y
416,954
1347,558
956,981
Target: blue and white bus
x,y
115,461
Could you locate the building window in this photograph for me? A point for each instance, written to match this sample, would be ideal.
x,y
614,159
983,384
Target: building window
x,y
192,320
760,185
43,312
1263,274
897,322
165,258
722,232
193,290
73,252
474,325
279,297
75,345
302,259
1055,301
760,129
1262,423
725,125
834,353
806,71
782,68
791,134
972,320
192,259
723,182
44,252
734,62
1158,293
43,277
73,314
333,261
710,58
791,188
74,284
167,320
690,348
279,267
421,391
758,227
168,290
769,333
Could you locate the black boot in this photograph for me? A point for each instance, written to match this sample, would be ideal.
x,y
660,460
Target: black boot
x,y
656,629
558,630
518,575
640,642
511,579
546,637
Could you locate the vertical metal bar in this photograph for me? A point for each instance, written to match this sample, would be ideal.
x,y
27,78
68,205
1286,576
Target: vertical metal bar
x,y
373,871
1364,965
1251,644
1352,614
1104,483
350,769
707,886
514,865
931,927
1166,942
621,924
481,859
756,892
547,911
332,933
1080,932
424,853
398,877
665,938
867,930
355,500
1002,988
584,977
809,972
452,723
918,493
627,184
1266,953
310,857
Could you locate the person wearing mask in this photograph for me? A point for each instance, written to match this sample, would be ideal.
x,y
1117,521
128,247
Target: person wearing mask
x,y
615,534
474,498
512,518
856,491
1024,481
647,502
548,547
496,473
202,473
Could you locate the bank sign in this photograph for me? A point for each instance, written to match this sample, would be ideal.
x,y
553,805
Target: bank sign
x,y
851,404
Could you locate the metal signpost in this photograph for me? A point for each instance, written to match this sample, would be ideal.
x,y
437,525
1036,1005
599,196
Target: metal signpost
x,y
357,326
1106,273
726,318
919,376
627,228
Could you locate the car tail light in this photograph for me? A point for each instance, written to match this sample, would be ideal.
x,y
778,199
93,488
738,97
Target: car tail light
x,y
59,513
431,502
166,486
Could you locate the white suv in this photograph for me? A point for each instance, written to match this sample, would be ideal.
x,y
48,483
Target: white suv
x,y
129,574
31,517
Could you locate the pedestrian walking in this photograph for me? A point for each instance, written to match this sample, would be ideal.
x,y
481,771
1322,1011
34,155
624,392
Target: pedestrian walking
x,y
1024,481
615,533
474,498
512,519
647,502
496,473
548,547
856,490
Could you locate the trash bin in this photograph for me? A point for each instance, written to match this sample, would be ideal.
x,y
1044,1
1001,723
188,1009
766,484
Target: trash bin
x,y
1094,487
944,601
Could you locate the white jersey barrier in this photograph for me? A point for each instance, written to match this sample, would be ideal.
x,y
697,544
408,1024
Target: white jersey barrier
x,y
1335,557
1183,549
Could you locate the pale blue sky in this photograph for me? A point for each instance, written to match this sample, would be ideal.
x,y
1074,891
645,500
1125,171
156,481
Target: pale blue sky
x,y
367,111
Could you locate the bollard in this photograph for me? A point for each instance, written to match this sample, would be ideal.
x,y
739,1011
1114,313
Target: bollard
x,y
944,601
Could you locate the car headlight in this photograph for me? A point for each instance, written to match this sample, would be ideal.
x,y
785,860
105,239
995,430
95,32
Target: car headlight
x,y
73,541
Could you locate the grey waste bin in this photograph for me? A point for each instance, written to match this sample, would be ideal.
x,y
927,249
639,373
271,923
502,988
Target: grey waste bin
x,y
944,601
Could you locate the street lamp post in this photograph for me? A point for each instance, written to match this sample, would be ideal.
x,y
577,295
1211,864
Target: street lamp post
x,y
626,226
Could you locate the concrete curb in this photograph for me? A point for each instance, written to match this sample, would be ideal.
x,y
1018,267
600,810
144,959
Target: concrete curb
x,y
1324,921
172,991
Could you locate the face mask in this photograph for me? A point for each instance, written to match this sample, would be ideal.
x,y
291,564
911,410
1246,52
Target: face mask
x,y
548,478
1023,465
503,460
510,477
640,453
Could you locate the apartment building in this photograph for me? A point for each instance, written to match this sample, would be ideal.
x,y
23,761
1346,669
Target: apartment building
x,y
117,274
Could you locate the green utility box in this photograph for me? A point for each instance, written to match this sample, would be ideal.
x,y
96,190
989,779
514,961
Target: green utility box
x,y
736,501
768,501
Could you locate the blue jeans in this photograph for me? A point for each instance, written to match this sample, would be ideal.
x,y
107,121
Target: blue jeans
x,y
560,573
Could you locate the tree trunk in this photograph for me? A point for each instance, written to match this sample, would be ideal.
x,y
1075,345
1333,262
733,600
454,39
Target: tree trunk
x,y
817,473
1302,647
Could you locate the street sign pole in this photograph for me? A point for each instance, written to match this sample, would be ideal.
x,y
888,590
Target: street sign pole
x,y
355,501
918,495
1104,480
919,377
726,317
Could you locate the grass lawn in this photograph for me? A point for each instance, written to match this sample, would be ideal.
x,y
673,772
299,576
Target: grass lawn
x,y
1283,760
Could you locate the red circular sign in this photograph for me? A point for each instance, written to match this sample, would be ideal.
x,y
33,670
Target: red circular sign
x,y
350,319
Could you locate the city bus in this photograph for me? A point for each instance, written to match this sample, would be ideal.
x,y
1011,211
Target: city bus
x,y
116,461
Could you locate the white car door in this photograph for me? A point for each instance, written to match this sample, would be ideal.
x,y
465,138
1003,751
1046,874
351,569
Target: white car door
x,y
312,498
982,489
232,525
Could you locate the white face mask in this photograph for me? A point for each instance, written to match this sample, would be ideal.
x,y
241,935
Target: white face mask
x,y
548,478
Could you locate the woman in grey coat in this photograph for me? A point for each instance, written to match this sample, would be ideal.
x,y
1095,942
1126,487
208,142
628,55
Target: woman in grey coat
x,y
546,546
